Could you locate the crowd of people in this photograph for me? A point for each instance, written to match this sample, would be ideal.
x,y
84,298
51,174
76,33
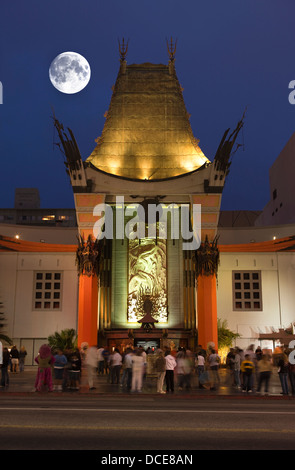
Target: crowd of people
x,y
251,370
13,360
247,370
129,368
59,370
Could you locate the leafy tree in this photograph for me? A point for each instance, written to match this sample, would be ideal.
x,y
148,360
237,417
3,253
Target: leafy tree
x,y
225,335
66,339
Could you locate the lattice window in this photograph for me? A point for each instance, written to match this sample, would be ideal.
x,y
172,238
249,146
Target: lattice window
x,y
47,290
247,292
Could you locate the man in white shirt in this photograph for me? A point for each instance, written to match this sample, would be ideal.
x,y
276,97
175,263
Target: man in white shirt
x,y
116,364
201,370
127,373
170,366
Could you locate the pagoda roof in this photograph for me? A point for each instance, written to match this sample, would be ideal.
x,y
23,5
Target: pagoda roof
x,y
147,133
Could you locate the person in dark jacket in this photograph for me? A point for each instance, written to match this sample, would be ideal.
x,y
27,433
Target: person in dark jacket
x,y
75,370
4,368
247,368
14,356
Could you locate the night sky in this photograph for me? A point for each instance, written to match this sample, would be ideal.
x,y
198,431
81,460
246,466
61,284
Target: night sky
x,y
231,55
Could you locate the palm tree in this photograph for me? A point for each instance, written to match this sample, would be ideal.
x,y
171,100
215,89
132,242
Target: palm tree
x,y
66,339
225,335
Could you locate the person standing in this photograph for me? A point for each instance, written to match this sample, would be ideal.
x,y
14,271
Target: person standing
x,y
161,370
264,369
45,361
116,364
237,368
127,374
14,356
91,365
201,368
22,357
4,368
137,371
291,372
214,362
75,369
170,364
106,356
100,359
60,362
230,363
283,366
247,368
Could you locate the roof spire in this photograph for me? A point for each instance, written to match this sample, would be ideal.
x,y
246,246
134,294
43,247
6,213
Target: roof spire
x,y
123,48
171,49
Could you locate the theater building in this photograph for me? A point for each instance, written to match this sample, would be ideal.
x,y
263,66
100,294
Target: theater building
x,y
134,285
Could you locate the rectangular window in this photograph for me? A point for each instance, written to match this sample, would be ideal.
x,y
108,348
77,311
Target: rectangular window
x,y
47,295
247,293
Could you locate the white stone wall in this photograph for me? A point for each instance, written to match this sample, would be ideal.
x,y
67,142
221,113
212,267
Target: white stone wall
x,y
28,326
16,291
278,294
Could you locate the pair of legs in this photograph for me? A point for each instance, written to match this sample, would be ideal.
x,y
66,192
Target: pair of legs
x,y
247,382
169,380
284,383
263,378
14,365
160,382
115,374
4,376
90,376
58,379
137,377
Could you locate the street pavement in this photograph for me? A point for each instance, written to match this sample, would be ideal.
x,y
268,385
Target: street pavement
x,y
23,383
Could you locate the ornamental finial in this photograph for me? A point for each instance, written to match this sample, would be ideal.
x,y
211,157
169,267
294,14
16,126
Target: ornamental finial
x,y
171,49
123,48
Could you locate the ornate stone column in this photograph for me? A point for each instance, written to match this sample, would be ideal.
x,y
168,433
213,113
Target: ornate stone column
x,y
88,259
206,267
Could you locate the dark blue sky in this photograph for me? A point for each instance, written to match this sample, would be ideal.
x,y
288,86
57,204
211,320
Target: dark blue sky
x,y
231,54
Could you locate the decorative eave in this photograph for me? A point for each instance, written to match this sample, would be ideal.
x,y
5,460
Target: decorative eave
x,y
140,180
282,245
17,245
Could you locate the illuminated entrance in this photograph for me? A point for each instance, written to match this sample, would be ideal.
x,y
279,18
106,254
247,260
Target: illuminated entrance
x,y
147,343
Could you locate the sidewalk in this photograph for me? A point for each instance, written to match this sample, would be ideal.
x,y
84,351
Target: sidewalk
x,y
23,383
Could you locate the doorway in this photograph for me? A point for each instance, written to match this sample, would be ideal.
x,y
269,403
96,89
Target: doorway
x,y
147,343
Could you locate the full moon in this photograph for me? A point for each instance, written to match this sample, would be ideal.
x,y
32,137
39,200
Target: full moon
x,y
69,72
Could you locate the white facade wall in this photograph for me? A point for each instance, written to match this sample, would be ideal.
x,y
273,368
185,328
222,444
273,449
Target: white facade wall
x,y
26,325
278,294
32,327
